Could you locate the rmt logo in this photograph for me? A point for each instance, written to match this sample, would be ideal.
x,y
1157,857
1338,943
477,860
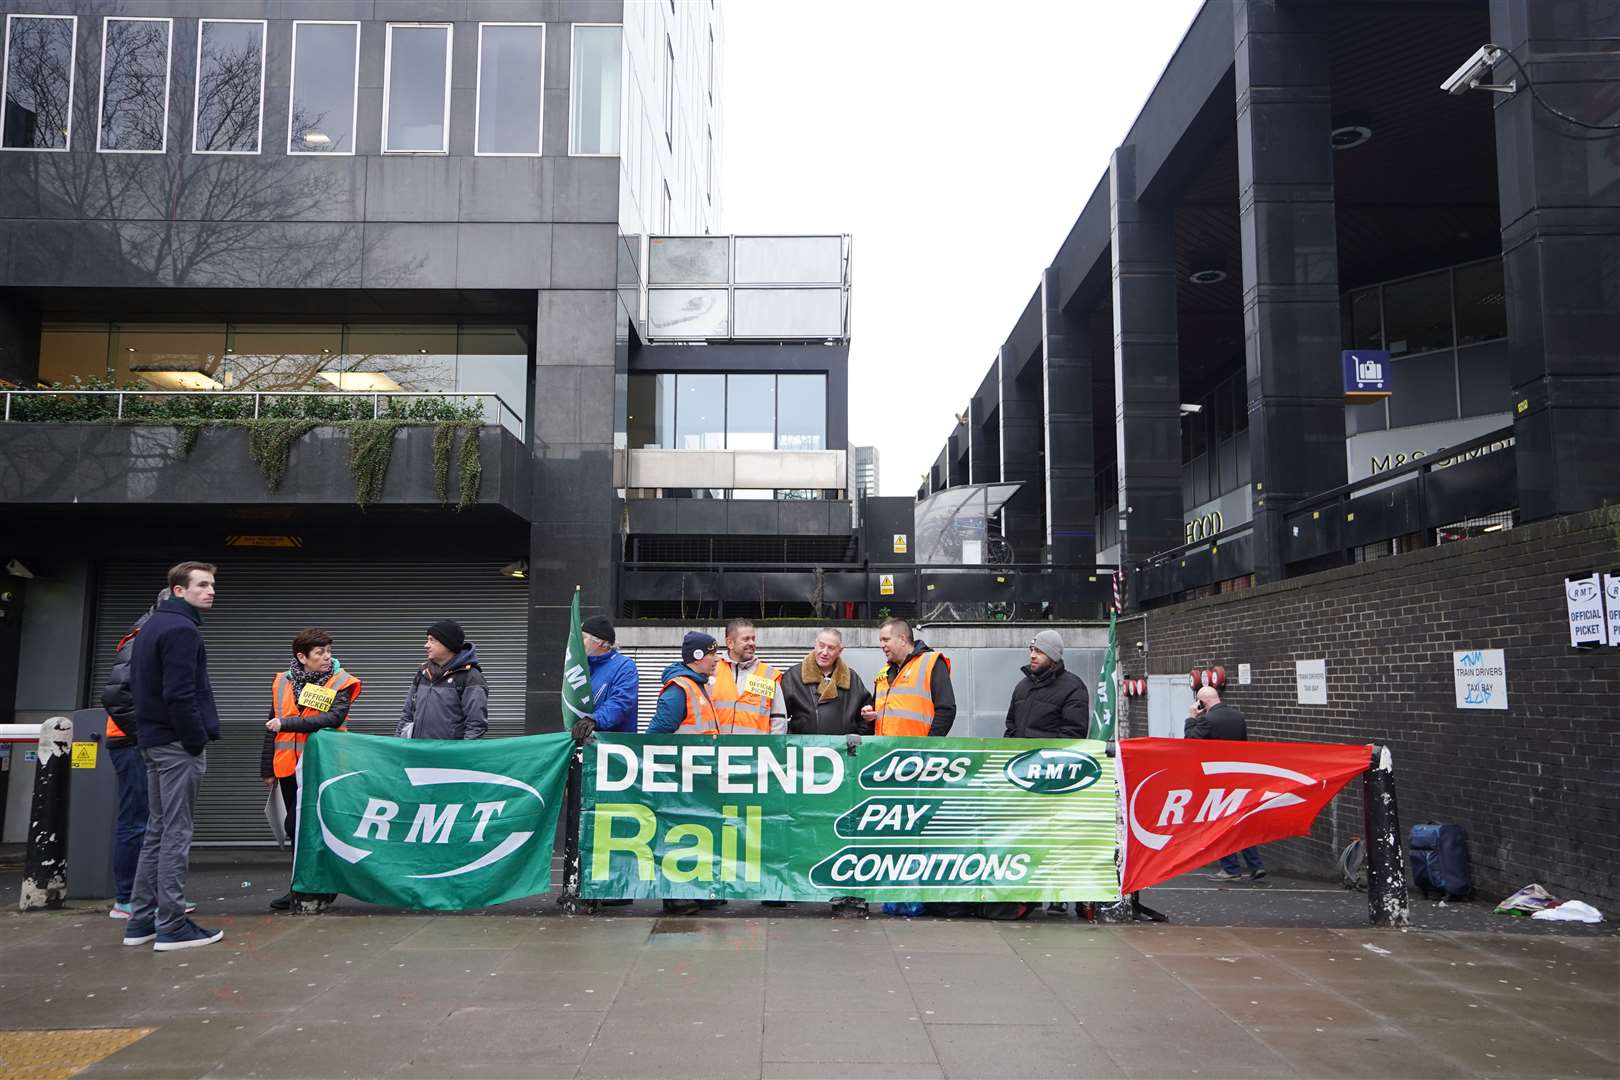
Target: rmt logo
x,y
1217,802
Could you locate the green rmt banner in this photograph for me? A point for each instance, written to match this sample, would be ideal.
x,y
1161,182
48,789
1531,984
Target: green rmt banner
x,y
1105,702
576,682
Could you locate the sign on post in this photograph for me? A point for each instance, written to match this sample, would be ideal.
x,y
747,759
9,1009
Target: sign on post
x,y
1366,374
1481,679
1310,677
1584,602
1611,601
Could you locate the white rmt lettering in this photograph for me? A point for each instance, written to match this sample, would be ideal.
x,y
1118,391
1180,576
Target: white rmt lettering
x,y
1175,807
484,811
434,828
1219,804
379,812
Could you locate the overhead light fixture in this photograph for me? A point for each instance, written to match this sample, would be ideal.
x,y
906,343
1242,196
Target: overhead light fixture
x,y
130,349
519,569
1206,277
1189,409
370,382
169,379
1207,267
422,351
1348,136
316,138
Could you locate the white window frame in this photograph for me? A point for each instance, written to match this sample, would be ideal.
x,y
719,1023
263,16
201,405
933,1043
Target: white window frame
x,y
711,64
573,87
669,90
73,78
168,78
478,94
388,80
196,86
354,96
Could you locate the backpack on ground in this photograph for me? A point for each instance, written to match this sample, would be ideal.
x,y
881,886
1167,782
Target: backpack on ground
x,y
1439,859
1005,911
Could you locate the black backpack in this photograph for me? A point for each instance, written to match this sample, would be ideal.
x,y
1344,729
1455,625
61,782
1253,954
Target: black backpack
x,y
1439,859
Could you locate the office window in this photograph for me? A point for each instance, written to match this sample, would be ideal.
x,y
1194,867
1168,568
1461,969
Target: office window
x,y
700,412
38,82
73,351
1363,320
801,412
1481,303
511,73
325,88
669,92
229,105
134,112
596,90
416,89
750,412
1417,314
650,423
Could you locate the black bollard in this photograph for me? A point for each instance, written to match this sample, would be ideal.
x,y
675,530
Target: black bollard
x,y
45,874
1381,824
569,898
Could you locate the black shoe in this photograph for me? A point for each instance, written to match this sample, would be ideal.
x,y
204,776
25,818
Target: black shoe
x,y
612,903
773,903
282,903
1258,874
680,907
1057,909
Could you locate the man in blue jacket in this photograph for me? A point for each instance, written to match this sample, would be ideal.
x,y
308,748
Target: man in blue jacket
x,y
175,720
613,677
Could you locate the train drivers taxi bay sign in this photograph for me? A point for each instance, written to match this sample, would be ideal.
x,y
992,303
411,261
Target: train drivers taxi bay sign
x,y
813,818
422,823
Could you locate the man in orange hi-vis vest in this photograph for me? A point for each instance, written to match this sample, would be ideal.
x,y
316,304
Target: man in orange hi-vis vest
x,y
912,695
313,694
747,692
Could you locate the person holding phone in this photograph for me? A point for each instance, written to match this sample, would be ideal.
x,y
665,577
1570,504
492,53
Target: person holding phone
x,y
1211,718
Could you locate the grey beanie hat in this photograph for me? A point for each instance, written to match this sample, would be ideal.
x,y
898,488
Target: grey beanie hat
x,y
1049,642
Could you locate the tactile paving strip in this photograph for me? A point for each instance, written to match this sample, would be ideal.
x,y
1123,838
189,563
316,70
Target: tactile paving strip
x,y
50,1055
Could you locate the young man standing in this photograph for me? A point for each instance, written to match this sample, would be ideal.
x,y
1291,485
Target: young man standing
x,y
747,691
175,720
912,695
449,698
309,696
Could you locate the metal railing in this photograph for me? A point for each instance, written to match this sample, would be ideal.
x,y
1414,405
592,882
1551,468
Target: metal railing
x,y
503,411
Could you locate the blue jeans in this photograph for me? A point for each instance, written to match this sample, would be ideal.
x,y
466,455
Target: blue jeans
x,y
1251,855
130,828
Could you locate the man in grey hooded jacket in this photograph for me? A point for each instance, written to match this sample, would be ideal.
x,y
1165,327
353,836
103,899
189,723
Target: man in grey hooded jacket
x,y
449,698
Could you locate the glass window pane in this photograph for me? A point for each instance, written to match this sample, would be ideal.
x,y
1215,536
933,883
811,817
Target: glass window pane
x,y
1423,390
230,87
39,82
1481,303
509,88
594,101
283,357
651,412
495,360
687,313
700,412
801,412
415,98
791,313
171,357
1417,314
323,88
73,351
750,412
1365,330
689,260
392,358
135,85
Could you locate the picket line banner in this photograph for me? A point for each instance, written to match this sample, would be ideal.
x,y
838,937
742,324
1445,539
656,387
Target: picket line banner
x,y
773,818
422,823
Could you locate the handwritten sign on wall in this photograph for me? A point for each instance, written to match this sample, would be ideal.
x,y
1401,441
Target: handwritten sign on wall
x,y
1481,677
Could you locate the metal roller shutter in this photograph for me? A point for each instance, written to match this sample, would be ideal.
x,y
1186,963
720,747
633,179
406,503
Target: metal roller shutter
x,y
377,612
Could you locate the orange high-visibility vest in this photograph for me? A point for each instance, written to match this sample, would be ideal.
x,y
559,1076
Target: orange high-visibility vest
x,y
290,744
700,717
743,712
906,707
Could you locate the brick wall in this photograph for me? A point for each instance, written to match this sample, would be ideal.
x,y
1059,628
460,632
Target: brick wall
x,y
1537,787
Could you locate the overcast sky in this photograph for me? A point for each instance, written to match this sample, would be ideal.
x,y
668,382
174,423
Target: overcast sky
x,y
957,142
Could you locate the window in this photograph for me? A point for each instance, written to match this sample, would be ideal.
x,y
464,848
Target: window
x,y
669,210
511,73
38,82
416,89
596,90
711,65
650,423
751,412
669,92
229,103
801,412
1481,303
708,175
1417,314
325,88
700,412
134,111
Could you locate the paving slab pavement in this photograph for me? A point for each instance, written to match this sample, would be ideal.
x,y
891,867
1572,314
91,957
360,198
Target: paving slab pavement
x,y
1254,980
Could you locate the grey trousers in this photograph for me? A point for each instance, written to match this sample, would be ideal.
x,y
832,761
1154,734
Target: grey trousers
x,y
172,778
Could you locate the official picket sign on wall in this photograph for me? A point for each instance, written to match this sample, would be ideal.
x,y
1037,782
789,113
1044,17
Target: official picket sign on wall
x,y
766,818
1584,602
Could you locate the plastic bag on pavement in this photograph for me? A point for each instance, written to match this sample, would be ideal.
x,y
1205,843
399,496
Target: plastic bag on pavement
x,y
1527,901
1570,911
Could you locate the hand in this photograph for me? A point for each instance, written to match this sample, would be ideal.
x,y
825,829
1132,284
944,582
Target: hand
x,y
868,713
274,723
269,781
584,728
1195,710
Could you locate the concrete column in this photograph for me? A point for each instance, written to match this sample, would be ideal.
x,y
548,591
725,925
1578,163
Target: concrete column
x,y
1071,496
956,457
1021,448
1290,264
984,430
1560,206
1147,372
571,542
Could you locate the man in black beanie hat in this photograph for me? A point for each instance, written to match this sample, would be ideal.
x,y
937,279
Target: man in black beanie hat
x,y
614,678
449,698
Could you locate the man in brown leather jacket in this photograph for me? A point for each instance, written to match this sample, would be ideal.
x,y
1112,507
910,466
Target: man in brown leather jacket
x,y
823,695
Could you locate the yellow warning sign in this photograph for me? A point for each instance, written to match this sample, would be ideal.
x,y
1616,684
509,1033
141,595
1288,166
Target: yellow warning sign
x,y
84,755
885,584
901,543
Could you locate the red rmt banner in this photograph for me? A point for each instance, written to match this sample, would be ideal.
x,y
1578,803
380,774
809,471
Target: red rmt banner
x,y
1190,801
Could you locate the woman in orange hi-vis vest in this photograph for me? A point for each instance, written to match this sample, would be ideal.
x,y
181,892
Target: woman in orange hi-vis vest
x,y
912,696
313,694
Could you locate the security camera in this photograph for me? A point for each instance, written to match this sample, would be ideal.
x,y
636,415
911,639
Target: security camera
x,y
17,569
1472,71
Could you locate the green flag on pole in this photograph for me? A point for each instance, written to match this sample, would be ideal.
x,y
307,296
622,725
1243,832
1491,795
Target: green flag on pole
x,y
1103,713
576,681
